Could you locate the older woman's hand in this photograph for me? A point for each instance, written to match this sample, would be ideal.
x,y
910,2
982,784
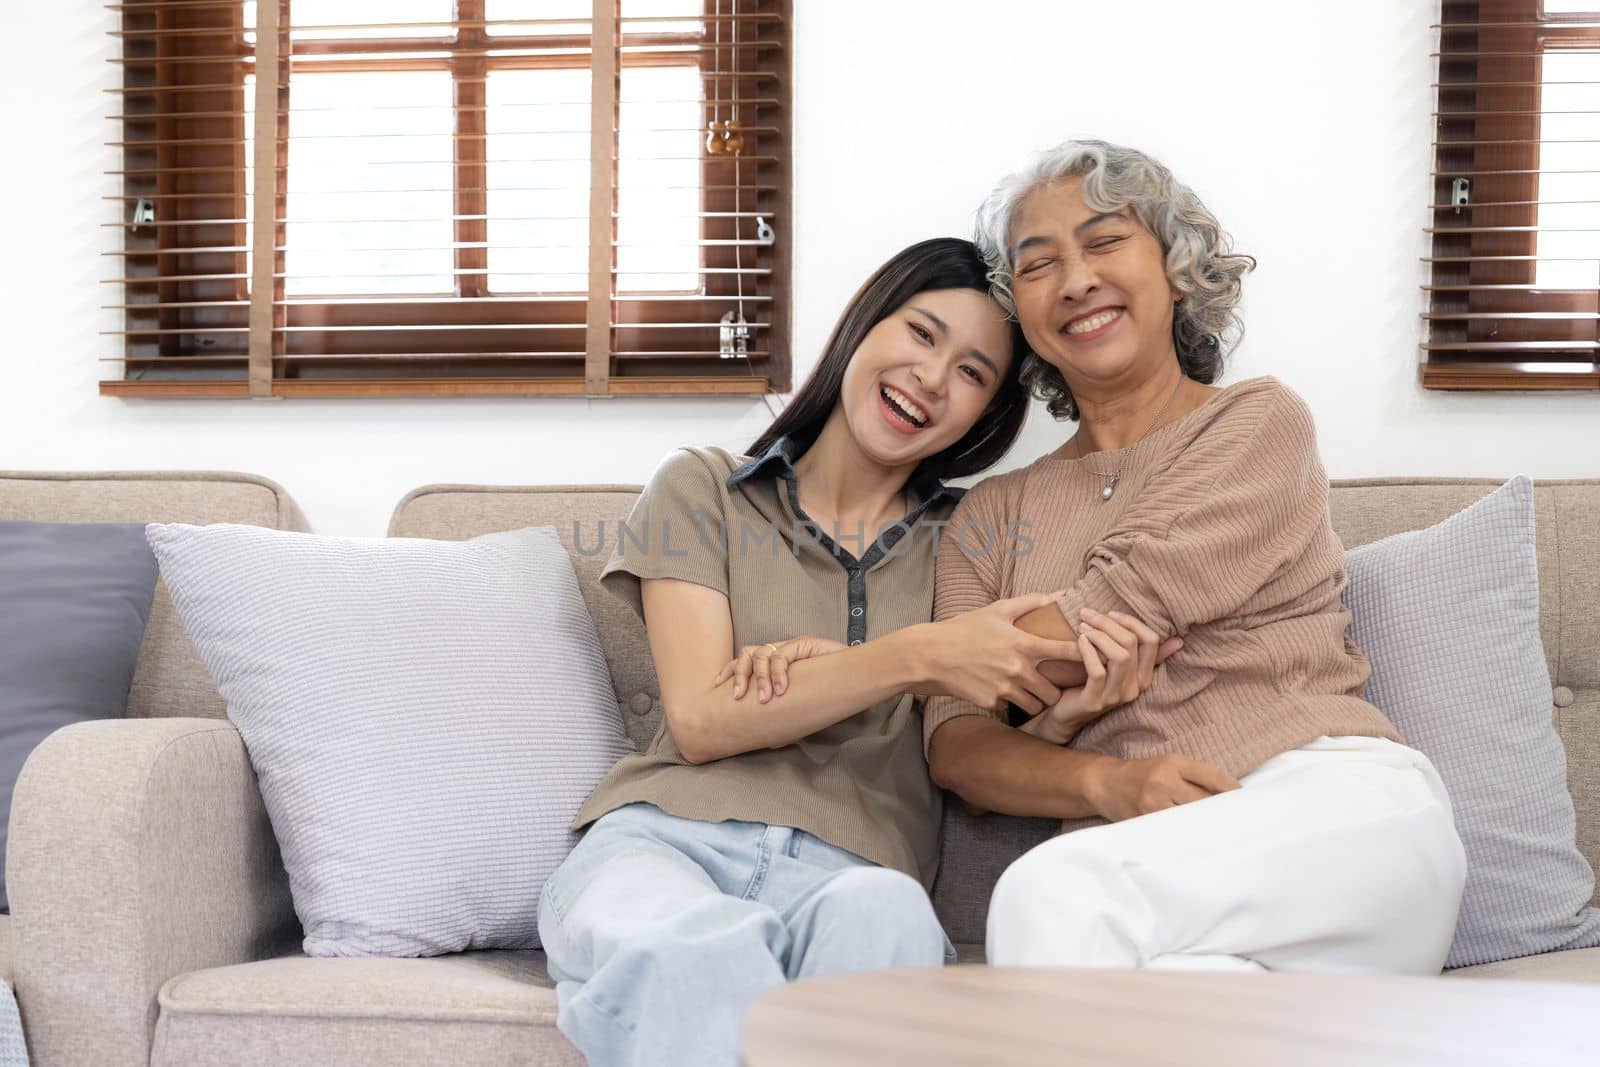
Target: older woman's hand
x,y
1131,652
1126,789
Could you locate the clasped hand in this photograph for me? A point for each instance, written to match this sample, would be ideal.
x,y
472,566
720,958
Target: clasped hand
x,y
983,657
1119,655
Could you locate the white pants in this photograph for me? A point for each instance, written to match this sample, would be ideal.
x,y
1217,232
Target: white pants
x,y
1338,857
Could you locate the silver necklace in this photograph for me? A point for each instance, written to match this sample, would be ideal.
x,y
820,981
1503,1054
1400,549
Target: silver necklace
x,y
1116,476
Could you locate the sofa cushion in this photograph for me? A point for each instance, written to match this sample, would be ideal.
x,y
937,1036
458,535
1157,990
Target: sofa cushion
x,y
74,598
1575,965
488,1007
1449,618
424,718
169,678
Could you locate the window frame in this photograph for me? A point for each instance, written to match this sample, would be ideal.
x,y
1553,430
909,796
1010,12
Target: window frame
x,y
1488,118
382,343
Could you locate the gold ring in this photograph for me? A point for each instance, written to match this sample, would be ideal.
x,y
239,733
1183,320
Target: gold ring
x,y
772,646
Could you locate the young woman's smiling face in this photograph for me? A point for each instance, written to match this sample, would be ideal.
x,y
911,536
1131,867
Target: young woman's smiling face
x,y
1090,287
921,377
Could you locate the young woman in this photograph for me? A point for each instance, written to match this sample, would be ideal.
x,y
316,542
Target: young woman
x,y
787,830
1202,512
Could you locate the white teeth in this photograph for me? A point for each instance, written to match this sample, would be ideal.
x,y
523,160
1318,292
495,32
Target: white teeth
x,y
1095,323
903,402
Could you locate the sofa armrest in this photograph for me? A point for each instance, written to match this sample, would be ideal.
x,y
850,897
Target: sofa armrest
x,y
139,850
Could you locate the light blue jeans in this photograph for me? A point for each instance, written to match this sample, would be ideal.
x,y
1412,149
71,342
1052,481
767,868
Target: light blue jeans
x,y
661,931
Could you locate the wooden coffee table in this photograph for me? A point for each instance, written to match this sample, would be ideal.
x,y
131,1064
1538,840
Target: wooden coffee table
x,y
976,1015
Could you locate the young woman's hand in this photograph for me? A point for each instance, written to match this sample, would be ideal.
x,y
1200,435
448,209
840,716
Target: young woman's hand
x,y
1120,655
769,665
1124,789
982,657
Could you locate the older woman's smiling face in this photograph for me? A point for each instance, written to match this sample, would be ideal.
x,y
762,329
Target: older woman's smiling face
x,y
1091,288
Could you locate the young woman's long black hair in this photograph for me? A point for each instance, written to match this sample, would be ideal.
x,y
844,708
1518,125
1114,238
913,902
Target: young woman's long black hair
x,y
939,263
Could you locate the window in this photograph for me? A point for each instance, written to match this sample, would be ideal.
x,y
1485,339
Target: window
x,y
452,197
1514,287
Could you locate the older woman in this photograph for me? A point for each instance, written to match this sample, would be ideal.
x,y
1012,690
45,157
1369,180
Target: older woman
x,y
1261,813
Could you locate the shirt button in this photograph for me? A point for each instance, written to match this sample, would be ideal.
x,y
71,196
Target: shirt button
x,y
855,572
857,641
856,612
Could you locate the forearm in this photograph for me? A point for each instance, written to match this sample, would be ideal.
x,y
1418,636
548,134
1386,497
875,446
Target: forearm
x,y
822,691
1049,622
1044,727
996,768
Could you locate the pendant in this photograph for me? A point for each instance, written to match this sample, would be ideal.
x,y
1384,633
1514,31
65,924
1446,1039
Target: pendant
x,y
1105,494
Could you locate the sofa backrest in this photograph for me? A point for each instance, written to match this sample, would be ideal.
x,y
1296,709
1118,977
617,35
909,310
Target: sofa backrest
x,y
976,850
169,678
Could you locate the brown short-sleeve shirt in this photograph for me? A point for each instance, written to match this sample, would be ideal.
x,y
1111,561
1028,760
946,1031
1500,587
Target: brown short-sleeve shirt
x,y
734,524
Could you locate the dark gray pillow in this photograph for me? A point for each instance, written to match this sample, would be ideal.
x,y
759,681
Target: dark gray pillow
x,y
1449,617
74,598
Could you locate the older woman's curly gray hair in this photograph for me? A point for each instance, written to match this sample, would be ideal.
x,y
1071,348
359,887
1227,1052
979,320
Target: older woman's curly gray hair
x,y
1200,263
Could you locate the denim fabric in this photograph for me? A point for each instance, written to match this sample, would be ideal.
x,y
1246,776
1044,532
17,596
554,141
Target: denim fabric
x,y
661,931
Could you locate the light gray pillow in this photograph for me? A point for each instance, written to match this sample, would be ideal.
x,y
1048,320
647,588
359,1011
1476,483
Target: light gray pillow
x,y
74,599
1449,617
424,717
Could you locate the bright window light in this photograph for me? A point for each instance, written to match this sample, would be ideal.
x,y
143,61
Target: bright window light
x,y
1579,265
435,15
538,162
658,179
370,179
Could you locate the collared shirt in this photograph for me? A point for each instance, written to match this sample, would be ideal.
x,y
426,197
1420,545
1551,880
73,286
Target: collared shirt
x,y
734,524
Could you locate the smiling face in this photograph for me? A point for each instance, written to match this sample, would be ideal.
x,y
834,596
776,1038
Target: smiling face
x,y
1090,288
922,377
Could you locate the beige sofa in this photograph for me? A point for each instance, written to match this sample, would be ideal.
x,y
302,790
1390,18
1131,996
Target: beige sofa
x,y
151,917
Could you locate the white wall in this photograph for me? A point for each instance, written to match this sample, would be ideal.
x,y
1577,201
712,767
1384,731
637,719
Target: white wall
x,y
1309,139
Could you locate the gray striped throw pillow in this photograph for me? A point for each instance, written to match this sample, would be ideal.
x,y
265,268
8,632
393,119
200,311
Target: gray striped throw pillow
x,y
1449,618
424,719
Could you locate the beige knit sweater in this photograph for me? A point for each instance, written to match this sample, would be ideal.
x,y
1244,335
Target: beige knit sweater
x,y
1218,532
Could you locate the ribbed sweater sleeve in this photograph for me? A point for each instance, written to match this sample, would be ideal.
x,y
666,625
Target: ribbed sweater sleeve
x,y
1213,524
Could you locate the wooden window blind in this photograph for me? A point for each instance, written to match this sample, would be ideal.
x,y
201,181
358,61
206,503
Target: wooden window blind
x,y
452,197
1514,271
